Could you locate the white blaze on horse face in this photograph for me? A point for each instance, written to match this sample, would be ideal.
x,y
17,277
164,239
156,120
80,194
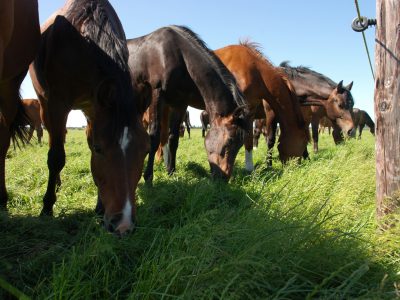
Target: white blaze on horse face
x,y
124,141
249,160
126,222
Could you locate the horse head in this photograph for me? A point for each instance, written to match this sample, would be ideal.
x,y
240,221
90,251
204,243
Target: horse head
x,y
339,107
118,151
224,140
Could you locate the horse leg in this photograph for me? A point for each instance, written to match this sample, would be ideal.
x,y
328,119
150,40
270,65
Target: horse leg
x,y
162,152
175,119
4,145
360,129
271,128
155,115
314,128
271,136
39,132
188,129
30,133
55,121
9,108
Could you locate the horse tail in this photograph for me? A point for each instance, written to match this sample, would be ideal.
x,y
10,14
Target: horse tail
x,y
19,131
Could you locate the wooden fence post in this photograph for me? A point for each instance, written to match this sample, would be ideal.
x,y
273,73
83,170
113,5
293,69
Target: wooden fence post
x,y
387,105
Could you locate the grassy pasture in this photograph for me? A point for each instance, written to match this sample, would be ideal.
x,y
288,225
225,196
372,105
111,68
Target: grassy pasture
x,y
292,232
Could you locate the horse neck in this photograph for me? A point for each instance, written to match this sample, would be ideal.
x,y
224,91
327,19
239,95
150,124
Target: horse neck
x,y
216,93
312,86
284,101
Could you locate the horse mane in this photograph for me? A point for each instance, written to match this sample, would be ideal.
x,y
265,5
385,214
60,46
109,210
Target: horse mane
x,y
97,26
226,76
106,33
293,72
255,48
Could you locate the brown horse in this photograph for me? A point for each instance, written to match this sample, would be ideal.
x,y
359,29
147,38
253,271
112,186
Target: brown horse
x,y
83,64
362,118
182,71
324,122
19,41
327,99
265,86
32,110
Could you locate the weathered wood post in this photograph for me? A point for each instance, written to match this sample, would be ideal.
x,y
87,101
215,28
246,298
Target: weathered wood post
x,y
387,105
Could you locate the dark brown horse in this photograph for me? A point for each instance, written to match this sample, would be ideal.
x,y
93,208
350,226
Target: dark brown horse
x,y
32,110
329,98
83,64
362,118
182,71
19,41
265,86
205,121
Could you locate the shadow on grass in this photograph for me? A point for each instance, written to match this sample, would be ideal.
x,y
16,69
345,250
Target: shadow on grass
x,y
30,246
226,235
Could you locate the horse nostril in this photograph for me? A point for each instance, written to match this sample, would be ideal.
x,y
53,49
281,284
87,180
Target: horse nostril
x,y
114,222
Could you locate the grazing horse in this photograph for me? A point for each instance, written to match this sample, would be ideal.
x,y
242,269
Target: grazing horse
x,y
325,123
326,99
32,110
83,64
19,41
205,121
265,86
362,118
182,71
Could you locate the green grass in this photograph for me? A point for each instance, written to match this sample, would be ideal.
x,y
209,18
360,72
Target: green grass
x,y
293,232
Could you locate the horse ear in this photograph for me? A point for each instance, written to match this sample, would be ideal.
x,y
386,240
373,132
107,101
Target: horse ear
x,y
106,93
349,86
339,87
241,117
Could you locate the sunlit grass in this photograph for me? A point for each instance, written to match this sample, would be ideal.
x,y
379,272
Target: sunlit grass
x,y
297,231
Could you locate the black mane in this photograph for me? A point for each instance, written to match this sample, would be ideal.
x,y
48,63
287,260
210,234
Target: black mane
x,y
226,76
294,72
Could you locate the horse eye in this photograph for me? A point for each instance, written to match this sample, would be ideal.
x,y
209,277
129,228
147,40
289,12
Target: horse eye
x,y
97,148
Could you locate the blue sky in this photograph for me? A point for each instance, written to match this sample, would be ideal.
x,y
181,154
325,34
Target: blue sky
x,y
312,33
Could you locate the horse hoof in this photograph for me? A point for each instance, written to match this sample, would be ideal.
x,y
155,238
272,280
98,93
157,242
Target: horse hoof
x,y
46,213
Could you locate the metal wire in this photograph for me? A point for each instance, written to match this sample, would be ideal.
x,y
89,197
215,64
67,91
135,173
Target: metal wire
x,y
365,41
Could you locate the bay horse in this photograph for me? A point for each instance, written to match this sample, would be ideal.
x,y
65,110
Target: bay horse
x,y
325,97
362,118
205,121
265,86
32,110
182,71
19,42
324,122
83,64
